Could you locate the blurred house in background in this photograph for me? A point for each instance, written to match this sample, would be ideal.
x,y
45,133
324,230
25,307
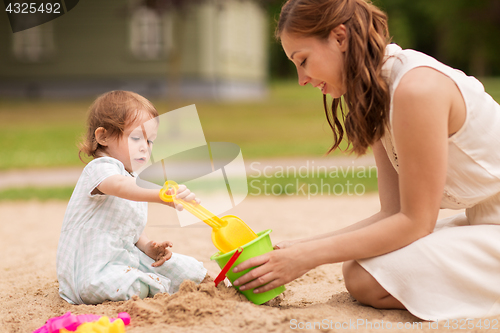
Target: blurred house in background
x,y
212,49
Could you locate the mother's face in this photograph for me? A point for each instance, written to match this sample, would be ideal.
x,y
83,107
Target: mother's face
x,y
319,62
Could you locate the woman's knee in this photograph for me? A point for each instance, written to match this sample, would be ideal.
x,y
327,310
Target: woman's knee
x,y
353,277
366,289
359,283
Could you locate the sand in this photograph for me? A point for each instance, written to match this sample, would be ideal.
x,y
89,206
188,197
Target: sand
x,y
318,300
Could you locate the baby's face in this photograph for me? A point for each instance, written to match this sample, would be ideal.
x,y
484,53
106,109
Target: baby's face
x,y
134,147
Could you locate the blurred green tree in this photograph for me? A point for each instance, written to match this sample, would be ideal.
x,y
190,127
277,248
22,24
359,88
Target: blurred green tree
x,y
461,33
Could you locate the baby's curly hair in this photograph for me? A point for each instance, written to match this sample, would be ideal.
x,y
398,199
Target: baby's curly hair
x,y
113,111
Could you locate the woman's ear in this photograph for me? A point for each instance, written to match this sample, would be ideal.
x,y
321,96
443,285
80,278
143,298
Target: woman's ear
x,y
339,36
101,136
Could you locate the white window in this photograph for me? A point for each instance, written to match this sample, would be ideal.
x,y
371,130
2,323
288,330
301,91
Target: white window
x,y
146,40
35,44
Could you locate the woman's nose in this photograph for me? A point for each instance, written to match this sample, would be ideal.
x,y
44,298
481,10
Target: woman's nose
x,y
303,79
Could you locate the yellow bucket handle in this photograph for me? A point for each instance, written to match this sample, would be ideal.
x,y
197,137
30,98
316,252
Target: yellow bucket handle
x,y
191,206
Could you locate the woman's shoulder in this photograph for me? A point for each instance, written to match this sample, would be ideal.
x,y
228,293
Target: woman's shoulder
x,y
424,82
427,91
399,62
417,77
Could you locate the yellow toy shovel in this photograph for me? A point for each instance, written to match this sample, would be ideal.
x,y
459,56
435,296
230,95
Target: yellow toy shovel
x,y
228,232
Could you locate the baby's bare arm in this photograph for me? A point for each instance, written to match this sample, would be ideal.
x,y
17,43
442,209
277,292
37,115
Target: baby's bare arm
x,y
157,251
126,188
142,242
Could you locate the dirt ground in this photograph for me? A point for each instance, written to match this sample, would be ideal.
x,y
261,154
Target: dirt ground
x,y
318,300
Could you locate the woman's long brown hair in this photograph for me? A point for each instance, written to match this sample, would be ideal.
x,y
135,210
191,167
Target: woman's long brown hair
x,y
367,98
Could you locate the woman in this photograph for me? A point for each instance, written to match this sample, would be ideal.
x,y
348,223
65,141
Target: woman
x,y
435,135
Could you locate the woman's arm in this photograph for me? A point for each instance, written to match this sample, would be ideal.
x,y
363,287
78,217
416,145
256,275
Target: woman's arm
x,y
388,189
422,104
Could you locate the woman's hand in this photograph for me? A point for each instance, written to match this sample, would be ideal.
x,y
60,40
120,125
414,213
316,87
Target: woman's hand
x,y
182,193
285,244
158,252
276,268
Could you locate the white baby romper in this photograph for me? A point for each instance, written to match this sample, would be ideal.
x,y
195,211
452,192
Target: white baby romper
x,y
97,259
455,271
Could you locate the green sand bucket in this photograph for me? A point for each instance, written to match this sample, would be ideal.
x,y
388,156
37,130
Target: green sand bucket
x,y
262,244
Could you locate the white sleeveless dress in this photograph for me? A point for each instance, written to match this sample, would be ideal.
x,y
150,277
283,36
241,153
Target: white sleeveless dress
x,y
455,271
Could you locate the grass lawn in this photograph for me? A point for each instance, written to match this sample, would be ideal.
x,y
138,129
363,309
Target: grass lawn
x,y
492,87
36,193
290,122
319,184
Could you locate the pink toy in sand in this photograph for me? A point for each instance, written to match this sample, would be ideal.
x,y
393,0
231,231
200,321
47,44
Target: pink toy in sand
x,y
71,322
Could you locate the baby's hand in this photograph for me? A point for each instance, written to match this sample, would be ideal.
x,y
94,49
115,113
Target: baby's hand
x,y
158,252
185,194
